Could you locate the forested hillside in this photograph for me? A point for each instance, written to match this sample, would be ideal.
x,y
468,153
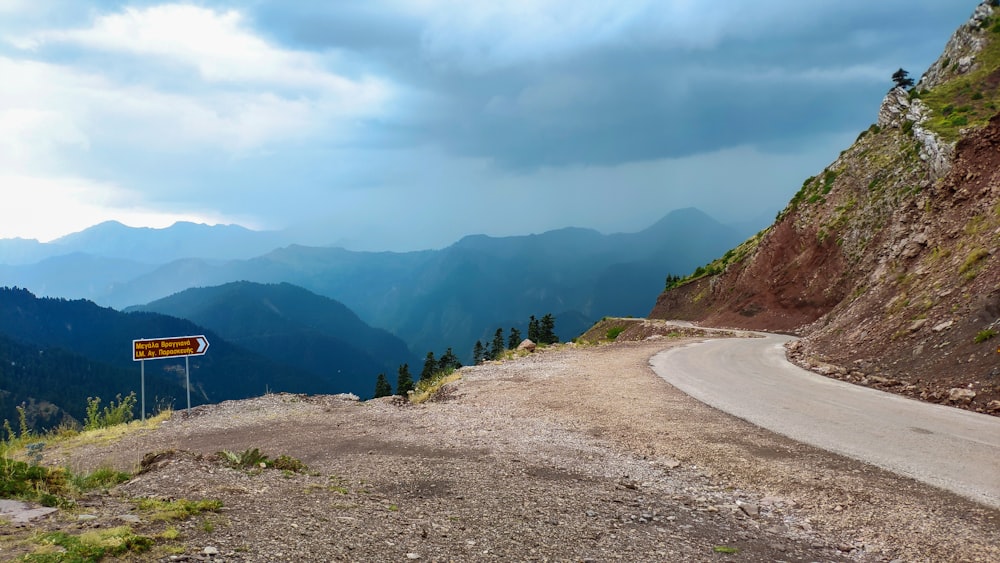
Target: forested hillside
x,y
96,344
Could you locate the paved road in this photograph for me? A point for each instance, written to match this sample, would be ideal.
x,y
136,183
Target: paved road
x,y
749,377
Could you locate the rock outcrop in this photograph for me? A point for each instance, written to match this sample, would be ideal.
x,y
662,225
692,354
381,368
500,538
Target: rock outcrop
x,y
886,261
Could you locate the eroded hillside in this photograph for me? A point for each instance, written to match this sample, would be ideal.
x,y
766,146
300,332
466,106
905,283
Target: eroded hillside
x,y
885,261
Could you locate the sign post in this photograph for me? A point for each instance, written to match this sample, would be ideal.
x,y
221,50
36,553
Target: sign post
x,y
164,348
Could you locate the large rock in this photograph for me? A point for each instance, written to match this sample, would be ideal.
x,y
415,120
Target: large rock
x,y
960,395
527,345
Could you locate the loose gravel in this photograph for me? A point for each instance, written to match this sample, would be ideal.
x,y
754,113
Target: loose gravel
x,y
569,454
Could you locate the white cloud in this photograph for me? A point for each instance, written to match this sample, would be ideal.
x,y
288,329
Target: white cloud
x,y
219,45
249,93
49,207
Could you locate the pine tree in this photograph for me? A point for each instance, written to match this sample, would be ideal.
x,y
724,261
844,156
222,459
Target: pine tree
x,y
430,367
404,384
449,361
478,353
547,327
514,339
382,387
497,348
533,330
902,79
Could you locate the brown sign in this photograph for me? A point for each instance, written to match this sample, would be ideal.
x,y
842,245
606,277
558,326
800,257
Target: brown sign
x,y
162,348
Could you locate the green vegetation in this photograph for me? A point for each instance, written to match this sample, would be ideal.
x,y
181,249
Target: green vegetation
x,y
88,547
672,281
382,387
540,331
102,478
498,346
180,509
427,388
984,335
902,79
252,458
968,100
733,256
404,381
614,331
725,549
23,477
430,366
115,413
514,340
829,177
969,267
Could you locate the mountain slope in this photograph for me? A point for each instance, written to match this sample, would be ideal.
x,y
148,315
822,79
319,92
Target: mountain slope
x,y
454,296
293,326
886,260
104,337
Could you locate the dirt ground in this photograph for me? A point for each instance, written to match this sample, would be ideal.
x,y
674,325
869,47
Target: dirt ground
x,y
571,454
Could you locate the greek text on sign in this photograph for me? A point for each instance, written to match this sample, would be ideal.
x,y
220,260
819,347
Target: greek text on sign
x,y
162,348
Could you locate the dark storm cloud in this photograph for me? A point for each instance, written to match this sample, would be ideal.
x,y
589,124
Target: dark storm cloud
x,y
790,70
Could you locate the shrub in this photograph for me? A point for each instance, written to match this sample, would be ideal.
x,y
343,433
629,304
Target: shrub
x,y
614,331
243,460
985,335
970,262
115,413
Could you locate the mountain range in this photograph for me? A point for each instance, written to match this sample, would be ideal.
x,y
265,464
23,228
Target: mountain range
x,y
100,339
293,327
432,299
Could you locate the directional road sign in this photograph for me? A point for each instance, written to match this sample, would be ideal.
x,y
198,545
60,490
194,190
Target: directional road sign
x,y
162,348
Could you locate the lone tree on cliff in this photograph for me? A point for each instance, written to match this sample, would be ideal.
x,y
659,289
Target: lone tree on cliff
x,y
404,383
514,339
902,79
430,367
382,387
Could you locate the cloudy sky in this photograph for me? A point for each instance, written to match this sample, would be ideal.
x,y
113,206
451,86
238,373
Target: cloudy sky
x,y
408,123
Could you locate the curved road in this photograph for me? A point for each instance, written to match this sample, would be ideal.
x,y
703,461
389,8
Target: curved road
x,y
750,378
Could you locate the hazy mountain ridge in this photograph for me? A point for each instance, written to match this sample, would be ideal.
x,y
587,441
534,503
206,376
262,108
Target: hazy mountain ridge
x,y
112,239
885,261
436,298
295,327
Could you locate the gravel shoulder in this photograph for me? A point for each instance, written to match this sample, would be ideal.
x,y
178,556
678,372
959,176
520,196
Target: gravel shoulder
x,y
570,454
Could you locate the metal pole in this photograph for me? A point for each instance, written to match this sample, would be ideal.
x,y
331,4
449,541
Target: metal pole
x,y
187,379
143,387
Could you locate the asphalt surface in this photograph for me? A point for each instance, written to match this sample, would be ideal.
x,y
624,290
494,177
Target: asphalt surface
x,y
750,378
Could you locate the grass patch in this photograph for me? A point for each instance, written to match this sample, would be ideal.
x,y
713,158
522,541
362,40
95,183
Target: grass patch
x,y
966,101
88,547
725,549
613,332
968,267
984,335
427,388
102,478
158,509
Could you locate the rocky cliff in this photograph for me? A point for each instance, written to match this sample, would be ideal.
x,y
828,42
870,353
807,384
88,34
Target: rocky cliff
x,y
886,261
